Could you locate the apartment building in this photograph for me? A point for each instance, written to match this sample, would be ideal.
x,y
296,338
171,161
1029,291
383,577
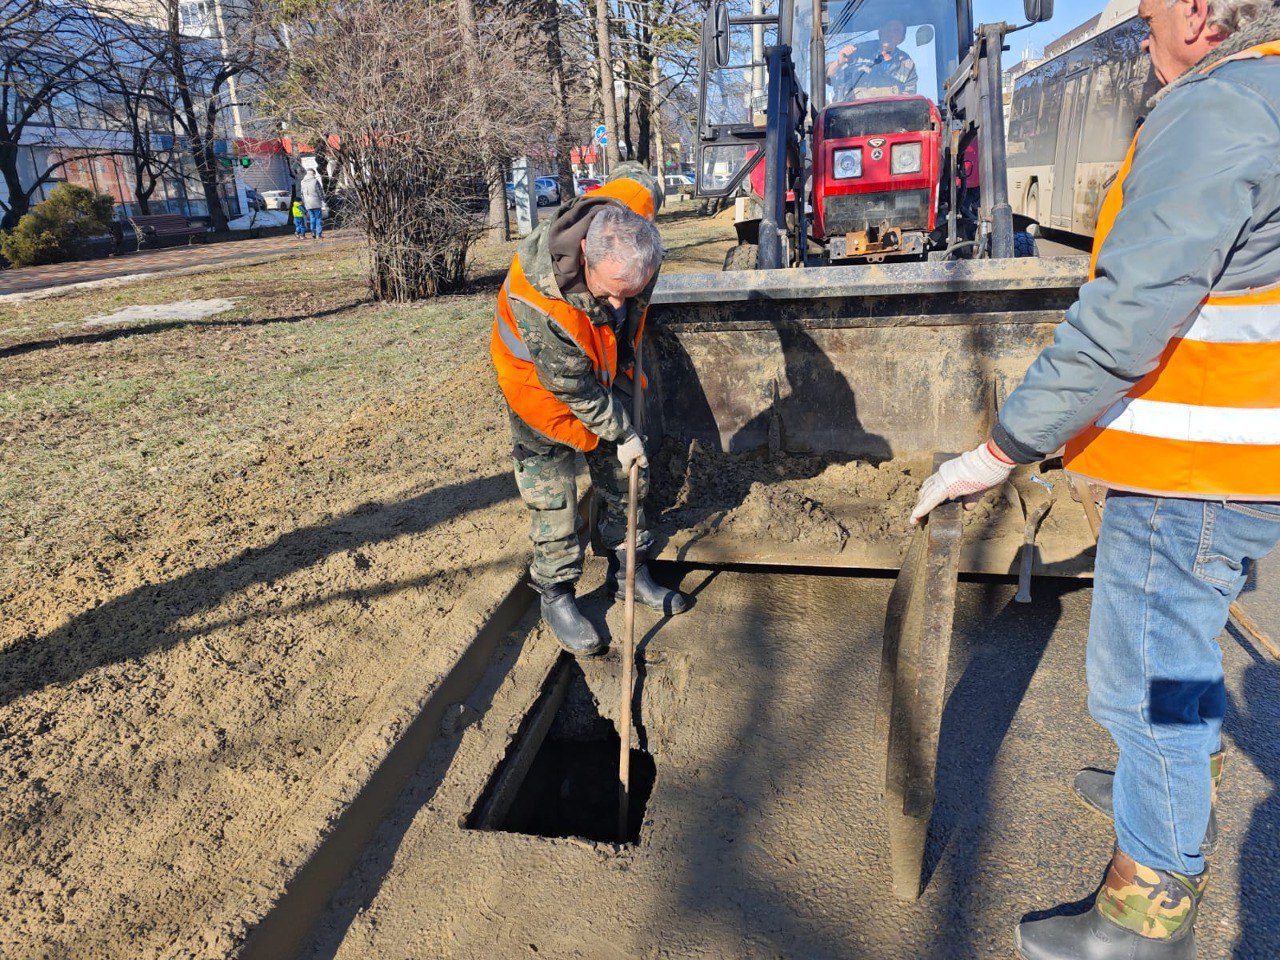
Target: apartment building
x,y
82,135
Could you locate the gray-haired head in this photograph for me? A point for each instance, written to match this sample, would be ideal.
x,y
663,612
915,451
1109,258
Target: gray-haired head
x,y
620,236
1234,15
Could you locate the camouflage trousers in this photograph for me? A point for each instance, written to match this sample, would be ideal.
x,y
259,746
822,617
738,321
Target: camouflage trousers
x,y
546,477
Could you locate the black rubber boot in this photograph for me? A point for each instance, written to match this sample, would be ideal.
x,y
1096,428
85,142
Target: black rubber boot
x,y
1093,788
1140,913
648,593
1091,936
572,630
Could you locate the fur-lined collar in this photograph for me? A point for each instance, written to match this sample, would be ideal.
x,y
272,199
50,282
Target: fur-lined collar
x,y
1262,30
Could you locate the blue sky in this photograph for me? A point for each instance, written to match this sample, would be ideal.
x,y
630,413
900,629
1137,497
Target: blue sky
x,y
1066,15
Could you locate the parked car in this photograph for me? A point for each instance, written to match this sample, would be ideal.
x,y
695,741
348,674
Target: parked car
x,y
548,191
275,199
254,200
679,183
587,184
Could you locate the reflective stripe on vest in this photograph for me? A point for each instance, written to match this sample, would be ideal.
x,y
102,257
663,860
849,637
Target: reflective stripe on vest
x,y
517,375
1206,421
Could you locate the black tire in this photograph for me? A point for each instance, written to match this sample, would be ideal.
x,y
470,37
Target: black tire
x,y
741,257
1024,245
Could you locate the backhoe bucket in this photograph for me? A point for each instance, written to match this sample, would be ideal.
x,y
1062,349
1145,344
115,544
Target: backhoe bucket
x,y
797,411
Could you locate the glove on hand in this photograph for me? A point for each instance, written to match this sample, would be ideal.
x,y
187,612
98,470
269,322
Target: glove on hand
x,y
964,476
631,447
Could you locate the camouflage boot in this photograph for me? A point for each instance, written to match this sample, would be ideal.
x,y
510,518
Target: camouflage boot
x,y
572,630
1140,914
648,591
1093,788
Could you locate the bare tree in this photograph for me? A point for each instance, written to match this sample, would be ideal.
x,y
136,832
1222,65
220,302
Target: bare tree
x,y
44,72
199,74
604,69
127,78
412,100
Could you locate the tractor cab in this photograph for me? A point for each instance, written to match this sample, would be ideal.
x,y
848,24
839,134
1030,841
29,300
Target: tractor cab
x,y
877,143
868,103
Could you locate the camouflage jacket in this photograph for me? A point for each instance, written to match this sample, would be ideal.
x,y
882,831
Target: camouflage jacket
x,y
552,261
867,70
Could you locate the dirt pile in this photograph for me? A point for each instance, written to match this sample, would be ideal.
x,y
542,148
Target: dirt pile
x,y
787,499
823,504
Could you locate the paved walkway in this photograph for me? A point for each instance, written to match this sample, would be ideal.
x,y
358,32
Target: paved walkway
x,y
29,279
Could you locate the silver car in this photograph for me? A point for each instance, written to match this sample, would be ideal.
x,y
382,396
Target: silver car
x,y
548,191
275,199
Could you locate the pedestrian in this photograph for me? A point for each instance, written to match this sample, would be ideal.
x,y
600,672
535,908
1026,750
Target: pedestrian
x,y
1162,382
312,191
299,219
569,321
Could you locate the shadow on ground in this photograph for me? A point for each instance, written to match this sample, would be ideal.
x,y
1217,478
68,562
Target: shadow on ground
x,y
143,329
144,619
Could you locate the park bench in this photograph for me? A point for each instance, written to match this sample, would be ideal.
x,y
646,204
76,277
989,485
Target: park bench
x,y
164,225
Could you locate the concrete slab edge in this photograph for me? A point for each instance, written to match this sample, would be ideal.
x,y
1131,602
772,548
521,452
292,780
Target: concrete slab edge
x,y
274,897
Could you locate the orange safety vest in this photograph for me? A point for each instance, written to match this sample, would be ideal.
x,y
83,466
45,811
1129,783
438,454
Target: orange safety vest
x,y
1206,421
532,402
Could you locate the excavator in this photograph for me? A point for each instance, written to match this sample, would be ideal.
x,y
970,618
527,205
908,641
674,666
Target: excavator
x,y
871,319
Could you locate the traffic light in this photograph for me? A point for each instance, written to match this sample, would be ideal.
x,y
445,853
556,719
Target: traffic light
x,y
246,161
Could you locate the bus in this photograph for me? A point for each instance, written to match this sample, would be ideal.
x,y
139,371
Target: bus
x,y
1072,119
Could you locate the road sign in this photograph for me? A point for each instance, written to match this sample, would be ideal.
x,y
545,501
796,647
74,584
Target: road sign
x,y
603,141
601,134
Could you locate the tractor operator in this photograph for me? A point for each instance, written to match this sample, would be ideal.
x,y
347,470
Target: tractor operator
x,y
873,67
1162,382
569,322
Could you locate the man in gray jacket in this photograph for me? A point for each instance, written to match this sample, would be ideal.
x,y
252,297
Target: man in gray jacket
x,y
1164,384
312,193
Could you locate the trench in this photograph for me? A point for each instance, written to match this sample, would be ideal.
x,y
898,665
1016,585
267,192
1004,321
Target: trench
x,y
753,709
560,777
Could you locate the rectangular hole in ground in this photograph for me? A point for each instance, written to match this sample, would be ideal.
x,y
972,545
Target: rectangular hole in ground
x,y
560,775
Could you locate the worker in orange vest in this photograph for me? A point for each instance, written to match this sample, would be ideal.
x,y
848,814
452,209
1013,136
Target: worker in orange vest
x,y
1164,384
568,325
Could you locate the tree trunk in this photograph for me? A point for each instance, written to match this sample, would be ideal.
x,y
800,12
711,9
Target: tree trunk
x,y
201,141
644,132
560,109
19,201
498,226
624,118
655,118
499,223
604,61
642,72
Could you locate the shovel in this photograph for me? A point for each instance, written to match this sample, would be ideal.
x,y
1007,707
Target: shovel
x,y
629,614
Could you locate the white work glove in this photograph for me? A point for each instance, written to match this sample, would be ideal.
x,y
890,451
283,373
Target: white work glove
x,y
631,447
964,476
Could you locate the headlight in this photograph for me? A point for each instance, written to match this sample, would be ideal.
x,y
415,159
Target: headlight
x,y
847,163
904,158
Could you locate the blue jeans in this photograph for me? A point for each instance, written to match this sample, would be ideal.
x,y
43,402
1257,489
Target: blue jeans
x,y
300,226
317,224
1167,569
